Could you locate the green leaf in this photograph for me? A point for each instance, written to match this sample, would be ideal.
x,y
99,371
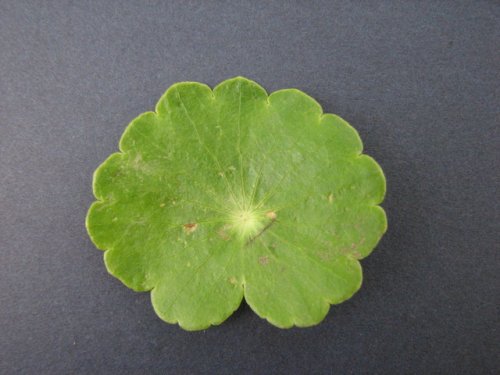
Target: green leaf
x,y
229,194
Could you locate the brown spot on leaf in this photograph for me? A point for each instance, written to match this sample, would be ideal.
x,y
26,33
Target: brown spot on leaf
x,y
190,227
331,198
232,280
264,260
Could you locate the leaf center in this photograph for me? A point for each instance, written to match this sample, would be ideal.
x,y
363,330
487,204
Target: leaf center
x,y
247,223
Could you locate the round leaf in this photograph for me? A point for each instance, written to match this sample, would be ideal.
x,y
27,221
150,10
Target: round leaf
x,y
226,194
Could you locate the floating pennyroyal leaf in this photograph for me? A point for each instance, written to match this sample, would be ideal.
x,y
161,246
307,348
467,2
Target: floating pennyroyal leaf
x,y
231,193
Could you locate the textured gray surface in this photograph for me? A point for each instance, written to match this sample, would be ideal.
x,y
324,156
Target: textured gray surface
x,y
419,80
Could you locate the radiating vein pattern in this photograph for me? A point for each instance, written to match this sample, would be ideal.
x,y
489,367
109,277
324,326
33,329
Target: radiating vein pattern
x,y
231,193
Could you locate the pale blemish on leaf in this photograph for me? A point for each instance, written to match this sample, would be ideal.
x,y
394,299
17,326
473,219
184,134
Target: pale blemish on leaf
x,y
264,260
325,255
224,232
271,215
356,254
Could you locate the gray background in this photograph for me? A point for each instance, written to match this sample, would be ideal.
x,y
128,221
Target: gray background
x,y
418,79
